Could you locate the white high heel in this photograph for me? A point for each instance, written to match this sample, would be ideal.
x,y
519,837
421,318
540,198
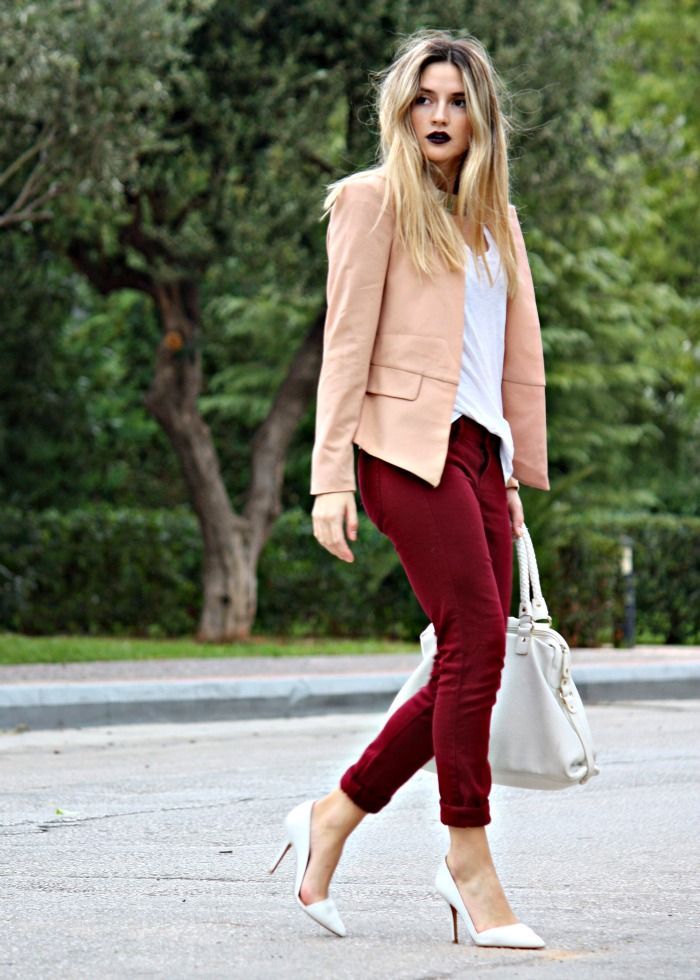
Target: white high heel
x,y
516,935
298,826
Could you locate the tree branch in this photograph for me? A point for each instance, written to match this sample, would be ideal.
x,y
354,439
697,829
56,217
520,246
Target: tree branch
x,y
311,157
31,198
31,151
133,235
104,273
271,441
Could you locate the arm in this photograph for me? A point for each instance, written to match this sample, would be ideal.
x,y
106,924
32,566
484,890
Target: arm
x,y
358,256
524,381
516,513
515,506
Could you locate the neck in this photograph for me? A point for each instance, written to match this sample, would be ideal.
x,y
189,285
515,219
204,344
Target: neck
x,y
448,200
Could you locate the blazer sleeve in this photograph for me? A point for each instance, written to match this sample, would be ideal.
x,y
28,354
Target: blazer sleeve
x,y
523,386
358,243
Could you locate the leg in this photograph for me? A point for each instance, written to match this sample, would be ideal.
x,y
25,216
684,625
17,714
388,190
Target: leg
x,y
334,817
460,687
469,857
337,814
445,543
471,864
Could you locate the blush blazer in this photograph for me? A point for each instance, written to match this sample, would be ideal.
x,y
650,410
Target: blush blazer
x,y
392,352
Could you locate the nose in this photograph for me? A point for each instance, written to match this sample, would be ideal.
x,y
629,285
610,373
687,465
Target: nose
x,y
440,113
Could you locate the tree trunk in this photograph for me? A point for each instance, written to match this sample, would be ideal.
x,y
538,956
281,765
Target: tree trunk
x,y
229,586
231,543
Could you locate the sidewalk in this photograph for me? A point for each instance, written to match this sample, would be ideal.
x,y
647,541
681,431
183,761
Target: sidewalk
x,y
43,696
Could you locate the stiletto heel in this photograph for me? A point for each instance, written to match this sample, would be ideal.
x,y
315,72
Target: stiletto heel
x,y
298,826
515,935
454,924
285,847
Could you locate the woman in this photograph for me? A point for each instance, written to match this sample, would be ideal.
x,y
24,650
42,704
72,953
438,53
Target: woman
x,y
433,366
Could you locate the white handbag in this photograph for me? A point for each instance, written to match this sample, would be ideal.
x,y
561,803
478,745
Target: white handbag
x,y
539,736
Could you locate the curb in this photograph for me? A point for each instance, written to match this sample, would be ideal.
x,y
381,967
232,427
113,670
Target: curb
x,y
83,703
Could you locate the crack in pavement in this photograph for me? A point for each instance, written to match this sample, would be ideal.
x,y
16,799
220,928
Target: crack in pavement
x,y
43,826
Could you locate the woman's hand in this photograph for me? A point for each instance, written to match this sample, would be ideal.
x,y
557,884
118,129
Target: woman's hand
x,y
329,511
515,509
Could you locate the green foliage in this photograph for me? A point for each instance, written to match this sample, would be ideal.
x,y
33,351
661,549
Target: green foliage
x,y
83,93
653,107
583,594
136,573
212,129
99,571
73,374
305,591
42,414
666,571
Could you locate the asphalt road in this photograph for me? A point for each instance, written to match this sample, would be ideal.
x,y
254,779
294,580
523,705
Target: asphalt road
x,y
157,865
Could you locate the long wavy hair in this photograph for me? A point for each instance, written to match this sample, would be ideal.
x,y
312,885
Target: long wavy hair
x,y
423,212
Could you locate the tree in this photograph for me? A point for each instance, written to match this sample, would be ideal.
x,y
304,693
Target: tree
x,y
189,190
80,88
200,188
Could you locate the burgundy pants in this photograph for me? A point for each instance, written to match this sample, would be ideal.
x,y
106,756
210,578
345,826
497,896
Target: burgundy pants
x,y
454,542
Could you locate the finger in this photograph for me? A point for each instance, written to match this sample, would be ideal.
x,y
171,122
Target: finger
x,y
515,514
330,536
343,553
339,545
352,523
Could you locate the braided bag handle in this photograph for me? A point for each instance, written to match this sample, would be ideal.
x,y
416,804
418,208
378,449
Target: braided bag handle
x,y
535,607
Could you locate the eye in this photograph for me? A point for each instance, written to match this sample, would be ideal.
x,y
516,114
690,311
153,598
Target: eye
x,y
420,99
460,103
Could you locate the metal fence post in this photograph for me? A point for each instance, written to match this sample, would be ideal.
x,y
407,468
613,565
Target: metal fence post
x,y
627,569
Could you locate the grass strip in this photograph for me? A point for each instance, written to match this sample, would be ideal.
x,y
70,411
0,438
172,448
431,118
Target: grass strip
x,y
18,649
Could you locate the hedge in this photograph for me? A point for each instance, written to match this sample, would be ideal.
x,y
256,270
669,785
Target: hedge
x,y
104,571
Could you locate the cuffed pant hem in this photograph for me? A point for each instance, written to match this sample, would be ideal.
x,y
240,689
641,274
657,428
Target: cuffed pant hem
x,y
360,796
464,816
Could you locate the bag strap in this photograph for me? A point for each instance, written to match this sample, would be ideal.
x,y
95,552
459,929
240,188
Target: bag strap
x,y
539,606
536,608
525,617
531,609
525,608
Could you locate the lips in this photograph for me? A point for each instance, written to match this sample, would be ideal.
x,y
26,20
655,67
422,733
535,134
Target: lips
x,y
438,137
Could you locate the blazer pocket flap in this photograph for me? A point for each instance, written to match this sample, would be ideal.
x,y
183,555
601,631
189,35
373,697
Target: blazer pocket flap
x,y
428,356
385,380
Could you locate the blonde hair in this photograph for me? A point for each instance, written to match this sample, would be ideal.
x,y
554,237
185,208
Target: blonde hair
x,y
411,181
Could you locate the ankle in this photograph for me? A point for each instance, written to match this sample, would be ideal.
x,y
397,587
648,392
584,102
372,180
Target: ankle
x,y
470,867
338,812
469,854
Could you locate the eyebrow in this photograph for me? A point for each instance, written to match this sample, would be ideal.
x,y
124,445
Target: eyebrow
x,y
430,91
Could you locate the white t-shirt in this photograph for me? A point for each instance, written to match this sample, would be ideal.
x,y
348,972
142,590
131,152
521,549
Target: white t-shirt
x,y
479,390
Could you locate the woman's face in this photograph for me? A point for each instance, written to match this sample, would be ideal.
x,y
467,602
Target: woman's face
x,y
441,108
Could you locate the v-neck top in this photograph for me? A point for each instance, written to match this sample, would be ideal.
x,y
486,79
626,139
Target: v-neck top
x,y
479,390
